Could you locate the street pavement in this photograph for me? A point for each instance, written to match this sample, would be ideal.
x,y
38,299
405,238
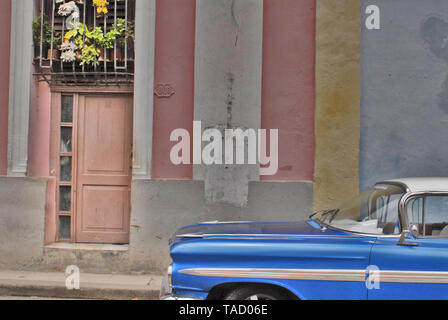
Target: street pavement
x,y
12,298
53,285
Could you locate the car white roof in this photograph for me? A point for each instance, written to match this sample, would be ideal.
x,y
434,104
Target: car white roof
x,y
439,184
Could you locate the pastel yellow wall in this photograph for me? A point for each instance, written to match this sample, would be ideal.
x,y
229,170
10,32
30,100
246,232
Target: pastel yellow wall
x,y
337,102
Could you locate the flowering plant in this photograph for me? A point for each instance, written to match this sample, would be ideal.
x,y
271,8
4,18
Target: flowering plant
x,y
101,6
90,41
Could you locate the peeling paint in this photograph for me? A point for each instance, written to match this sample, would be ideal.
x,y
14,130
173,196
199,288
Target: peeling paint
x,y
434,32
235,23
230,98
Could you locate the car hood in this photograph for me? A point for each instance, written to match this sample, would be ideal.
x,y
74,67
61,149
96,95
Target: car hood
x,y
252,230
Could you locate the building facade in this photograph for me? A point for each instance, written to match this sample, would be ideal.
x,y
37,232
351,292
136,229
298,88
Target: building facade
x,y
85,166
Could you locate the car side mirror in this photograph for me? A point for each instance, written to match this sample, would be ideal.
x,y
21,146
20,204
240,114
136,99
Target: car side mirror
x,y
414,230
403,237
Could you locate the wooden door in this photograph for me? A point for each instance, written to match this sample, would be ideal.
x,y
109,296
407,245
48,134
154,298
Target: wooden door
x,y
103,174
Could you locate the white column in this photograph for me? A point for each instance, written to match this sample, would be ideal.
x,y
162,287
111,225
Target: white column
x,y
19,90
145,17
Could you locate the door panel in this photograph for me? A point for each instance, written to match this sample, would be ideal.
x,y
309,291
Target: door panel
x,y
429,259
104,168
105,136
419,271
98,199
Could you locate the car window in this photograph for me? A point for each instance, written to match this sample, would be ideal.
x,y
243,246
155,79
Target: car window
x,y
387,214
375,211
415,208
428,216
379,208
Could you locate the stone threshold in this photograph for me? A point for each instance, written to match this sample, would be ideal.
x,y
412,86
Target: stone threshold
x,y
88,247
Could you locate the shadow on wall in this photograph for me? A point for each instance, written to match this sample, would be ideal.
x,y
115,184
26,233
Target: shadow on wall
x,y
434,32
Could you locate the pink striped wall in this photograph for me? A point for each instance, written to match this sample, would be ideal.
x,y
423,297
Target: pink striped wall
x,y
288,85
174,66
5,36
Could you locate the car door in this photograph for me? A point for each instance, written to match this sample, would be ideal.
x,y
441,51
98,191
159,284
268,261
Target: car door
x,y
417,268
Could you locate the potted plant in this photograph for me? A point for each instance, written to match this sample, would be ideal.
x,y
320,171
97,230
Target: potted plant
x,y
41,36
45,31
57,39
117,52
90,43
126,37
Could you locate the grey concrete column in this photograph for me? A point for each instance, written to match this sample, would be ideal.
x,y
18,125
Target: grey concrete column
x,y
228,79
19,86
145,18
228,70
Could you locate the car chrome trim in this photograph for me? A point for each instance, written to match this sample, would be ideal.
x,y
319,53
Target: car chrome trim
x,y
408,197
289,274
322,274
370,235
190,235
225,222
413,276
395,183
178,297
255,235
248,235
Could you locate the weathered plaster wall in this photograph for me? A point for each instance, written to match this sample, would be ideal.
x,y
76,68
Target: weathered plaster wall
x,y
89,258
5,34
228,68
228,64
337,101
404,114
22,220
160,208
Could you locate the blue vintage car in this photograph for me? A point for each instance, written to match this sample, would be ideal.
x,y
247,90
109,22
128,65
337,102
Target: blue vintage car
x,y
391,242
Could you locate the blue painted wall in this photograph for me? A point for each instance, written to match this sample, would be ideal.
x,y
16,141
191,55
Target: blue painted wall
x,y
404,107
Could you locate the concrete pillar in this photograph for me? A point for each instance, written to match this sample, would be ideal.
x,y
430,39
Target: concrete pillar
x,y
229,36
5,35
19,90
143,87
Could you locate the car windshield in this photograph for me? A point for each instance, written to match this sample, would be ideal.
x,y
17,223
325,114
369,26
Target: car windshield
x,y
374,211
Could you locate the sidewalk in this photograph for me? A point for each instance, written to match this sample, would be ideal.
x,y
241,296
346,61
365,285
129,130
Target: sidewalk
x,y
92,286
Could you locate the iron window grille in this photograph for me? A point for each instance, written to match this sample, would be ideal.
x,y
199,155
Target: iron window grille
x,y
114,66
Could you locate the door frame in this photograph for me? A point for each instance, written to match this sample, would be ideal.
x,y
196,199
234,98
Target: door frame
x,y
52,212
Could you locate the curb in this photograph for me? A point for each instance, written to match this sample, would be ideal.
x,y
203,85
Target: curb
x,y
83,293
93,286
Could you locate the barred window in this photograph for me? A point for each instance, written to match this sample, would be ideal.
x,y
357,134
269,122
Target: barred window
x,y
85,42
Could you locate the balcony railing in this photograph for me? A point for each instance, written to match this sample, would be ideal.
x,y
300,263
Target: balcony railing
x,y
85,42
